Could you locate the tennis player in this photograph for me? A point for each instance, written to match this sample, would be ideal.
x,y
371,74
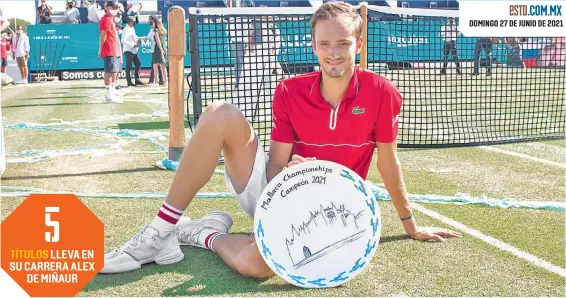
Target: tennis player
x,y
340,114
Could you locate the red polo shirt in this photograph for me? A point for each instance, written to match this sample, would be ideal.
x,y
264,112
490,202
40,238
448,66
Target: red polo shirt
x,y
367,114
3,52
110,47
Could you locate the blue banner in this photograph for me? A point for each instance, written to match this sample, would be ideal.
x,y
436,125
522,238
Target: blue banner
x,y
401,41
75,47
214,44
413,41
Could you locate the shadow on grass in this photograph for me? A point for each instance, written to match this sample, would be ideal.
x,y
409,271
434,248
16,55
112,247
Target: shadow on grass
x,y
83,87
53,97
387,239
54,104
81,174
207,275
146,125
150,125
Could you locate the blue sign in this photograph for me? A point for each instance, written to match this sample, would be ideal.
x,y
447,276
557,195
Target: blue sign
x,y
75,47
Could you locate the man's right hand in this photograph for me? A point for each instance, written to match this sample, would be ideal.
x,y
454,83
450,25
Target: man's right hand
x,y
100,54
297,159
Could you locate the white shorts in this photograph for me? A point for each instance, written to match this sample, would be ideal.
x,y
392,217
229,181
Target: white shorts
x,y
256,184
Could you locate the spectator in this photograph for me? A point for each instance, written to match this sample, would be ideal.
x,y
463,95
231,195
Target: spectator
x,y
152,40
9,42
131,45
554,54
44,12
121,9
109,50
514,58
93,9
158,58
72,14
3,25
20,52
133,9
3,53
449,33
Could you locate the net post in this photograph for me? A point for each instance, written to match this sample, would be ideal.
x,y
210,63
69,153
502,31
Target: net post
x,y
176,49
195,66
364,52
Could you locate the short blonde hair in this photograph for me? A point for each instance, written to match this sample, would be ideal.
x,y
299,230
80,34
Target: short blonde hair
x,y
341,11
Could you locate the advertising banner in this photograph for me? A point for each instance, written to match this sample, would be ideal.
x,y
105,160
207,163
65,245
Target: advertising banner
x,y
64,47
75,47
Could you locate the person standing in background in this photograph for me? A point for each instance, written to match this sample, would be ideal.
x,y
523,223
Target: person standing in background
x,y
44,12
3,53
483,43
20,52
131,46
109,50
133,9
158,58
265,42
3,25
514,57
152,40
119,29
93,10
239,33
9,37
449,33
72,14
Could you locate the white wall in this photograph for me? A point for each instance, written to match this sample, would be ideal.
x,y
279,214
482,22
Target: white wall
x,y
23,9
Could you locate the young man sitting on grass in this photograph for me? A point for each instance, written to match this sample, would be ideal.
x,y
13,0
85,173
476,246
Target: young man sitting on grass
x,y
341,114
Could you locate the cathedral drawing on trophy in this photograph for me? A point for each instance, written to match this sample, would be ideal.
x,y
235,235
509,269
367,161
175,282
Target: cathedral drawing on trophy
x,y
304,246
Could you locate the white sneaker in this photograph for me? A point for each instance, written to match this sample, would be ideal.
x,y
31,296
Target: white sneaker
x,y
193,232
114,99
146,246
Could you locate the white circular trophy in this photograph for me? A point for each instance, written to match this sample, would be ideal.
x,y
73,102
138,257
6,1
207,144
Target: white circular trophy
x,y
317,224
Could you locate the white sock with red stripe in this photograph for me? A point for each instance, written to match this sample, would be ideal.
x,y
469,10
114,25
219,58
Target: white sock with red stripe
x,y
208,240
166,219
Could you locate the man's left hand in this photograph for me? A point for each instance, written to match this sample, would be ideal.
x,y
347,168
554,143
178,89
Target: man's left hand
x,y
433,234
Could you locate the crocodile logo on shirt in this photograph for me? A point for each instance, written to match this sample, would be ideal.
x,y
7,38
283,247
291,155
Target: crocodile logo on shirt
x,y
358,110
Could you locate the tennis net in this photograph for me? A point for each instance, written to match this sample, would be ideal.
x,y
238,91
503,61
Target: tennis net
x,y
457,90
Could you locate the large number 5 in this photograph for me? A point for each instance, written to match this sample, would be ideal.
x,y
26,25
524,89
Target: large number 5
x,y
51,223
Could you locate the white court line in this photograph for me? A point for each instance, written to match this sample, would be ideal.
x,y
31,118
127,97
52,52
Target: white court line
x,y
525,156
492,241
